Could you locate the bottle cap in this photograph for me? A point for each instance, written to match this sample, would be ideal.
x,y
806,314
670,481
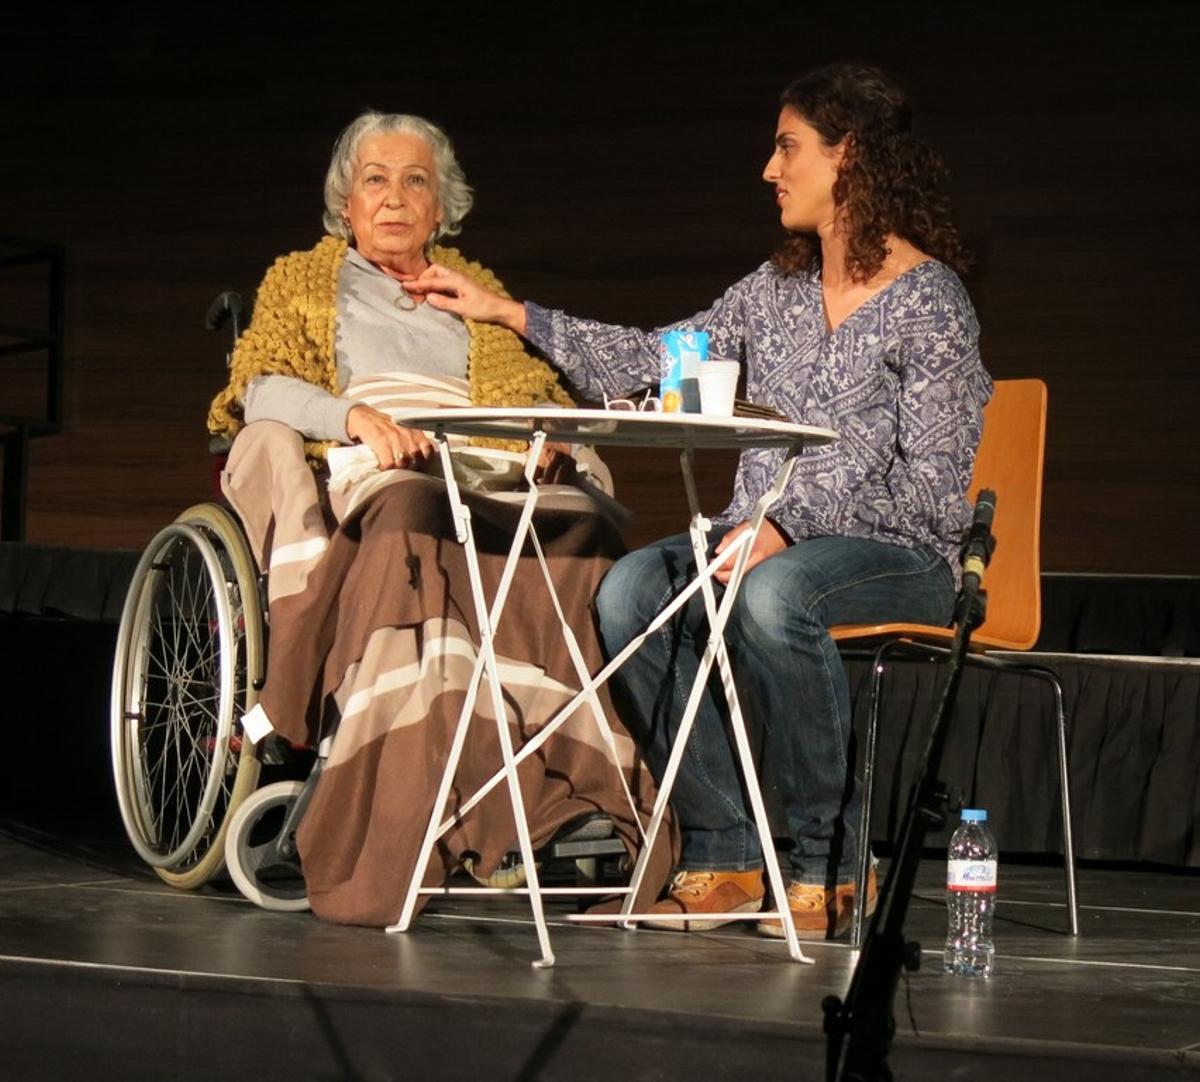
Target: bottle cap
x,y
974,815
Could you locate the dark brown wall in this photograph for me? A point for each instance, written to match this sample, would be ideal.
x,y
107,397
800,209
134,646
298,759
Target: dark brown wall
x,y
616,161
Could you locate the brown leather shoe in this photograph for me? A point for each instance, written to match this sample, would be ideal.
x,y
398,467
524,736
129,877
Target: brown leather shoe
x,y
820,913
693,894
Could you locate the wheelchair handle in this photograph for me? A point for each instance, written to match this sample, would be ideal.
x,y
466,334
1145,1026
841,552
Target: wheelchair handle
x,y
228,305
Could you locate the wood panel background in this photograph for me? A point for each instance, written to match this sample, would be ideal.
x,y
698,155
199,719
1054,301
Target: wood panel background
x,y
616,152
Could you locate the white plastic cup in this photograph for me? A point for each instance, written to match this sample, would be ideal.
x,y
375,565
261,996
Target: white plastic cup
x,y
718,387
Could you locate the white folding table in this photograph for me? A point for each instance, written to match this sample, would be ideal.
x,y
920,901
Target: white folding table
x,y
686,433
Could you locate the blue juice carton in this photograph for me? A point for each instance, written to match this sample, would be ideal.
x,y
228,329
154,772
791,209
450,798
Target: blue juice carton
x,y
682,354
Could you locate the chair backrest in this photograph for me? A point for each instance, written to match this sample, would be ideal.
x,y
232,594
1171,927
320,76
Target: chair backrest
x,y
1010,461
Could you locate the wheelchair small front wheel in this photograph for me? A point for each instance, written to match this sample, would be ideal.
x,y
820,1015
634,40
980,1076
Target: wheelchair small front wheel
x,y
252,858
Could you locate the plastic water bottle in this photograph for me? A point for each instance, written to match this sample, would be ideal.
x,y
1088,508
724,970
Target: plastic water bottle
x,y
970,897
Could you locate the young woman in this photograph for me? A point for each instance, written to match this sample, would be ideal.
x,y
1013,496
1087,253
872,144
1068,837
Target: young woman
x,y
858,323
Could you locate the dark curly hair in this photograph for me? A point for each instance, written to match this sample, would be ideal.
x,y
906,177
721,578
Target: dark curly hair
x,y
888,182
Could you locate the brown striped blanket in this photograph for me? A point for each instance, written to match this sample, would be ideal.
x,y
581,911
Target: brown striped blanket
x,y
373,637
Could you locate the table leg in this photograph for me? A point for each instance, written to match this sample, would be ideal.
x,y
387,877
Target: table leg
x,y
715,651
485,662
587,685
699,533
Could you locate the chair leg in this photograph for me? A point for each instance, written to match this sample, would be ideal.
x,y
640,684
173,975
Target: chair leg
x,y
1064,780
858,917
1064,774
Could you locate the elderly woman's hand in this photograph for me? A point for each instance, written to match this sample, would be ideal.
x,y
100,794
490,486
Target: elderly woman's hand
x,y
454,292
395,447
556,465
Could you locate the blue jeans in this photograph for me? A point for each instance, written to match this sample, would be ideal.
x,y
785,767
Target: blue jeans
x,y
789,677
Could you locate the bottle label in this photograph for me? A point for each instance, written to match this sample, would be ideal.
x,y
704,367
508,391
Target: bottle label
x,y
977,875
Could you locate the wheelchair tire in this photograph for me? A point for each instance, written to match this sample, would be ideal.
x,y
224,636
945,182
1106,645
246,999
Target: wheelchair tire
x,y
253,828
188,664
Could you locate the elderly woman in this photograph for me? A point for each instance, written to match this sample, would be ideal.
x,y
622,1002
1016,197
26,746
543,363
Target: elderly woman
x,y
859,323
373,628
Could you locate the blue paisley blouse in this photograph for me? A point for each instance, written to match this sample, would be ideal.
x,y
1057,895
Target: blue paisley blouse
x,y
900,379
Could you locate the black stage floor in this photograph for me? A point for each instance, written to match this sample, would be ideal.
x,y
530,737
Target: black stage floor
x,y
106,973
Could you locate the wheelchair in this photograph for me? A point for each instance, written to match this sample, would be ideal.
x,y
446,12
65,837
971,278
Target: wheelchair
x,y
189,663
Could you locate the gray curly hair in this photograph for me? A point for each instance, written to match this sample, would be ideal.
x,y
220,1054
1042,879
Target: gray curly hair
x,y
454,193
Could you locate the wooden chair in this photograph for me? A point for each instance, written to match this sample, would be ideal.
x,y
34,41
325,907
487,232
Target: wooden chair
x,y
1009,461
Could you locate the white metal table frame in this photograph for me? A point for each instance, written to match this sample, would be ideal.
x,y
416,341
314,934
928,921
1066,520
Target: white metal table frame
x,y
689,433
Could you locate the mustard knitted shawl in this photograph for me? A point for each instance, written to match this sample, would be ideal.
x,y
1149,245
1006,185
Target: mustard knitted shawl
x,y
294,323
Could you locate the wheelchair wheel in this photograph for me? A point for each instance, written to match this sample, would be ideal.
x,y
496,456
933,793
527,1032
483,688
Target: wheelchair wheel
x,y
267,880
189,661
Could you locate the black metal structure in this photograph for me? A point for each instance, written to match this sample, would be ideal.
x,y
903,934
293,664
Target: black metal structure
x,y
16,430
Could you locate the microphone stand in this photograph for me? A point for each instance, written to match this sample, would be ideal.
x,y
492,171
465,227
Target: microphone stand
x,y
866,1015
